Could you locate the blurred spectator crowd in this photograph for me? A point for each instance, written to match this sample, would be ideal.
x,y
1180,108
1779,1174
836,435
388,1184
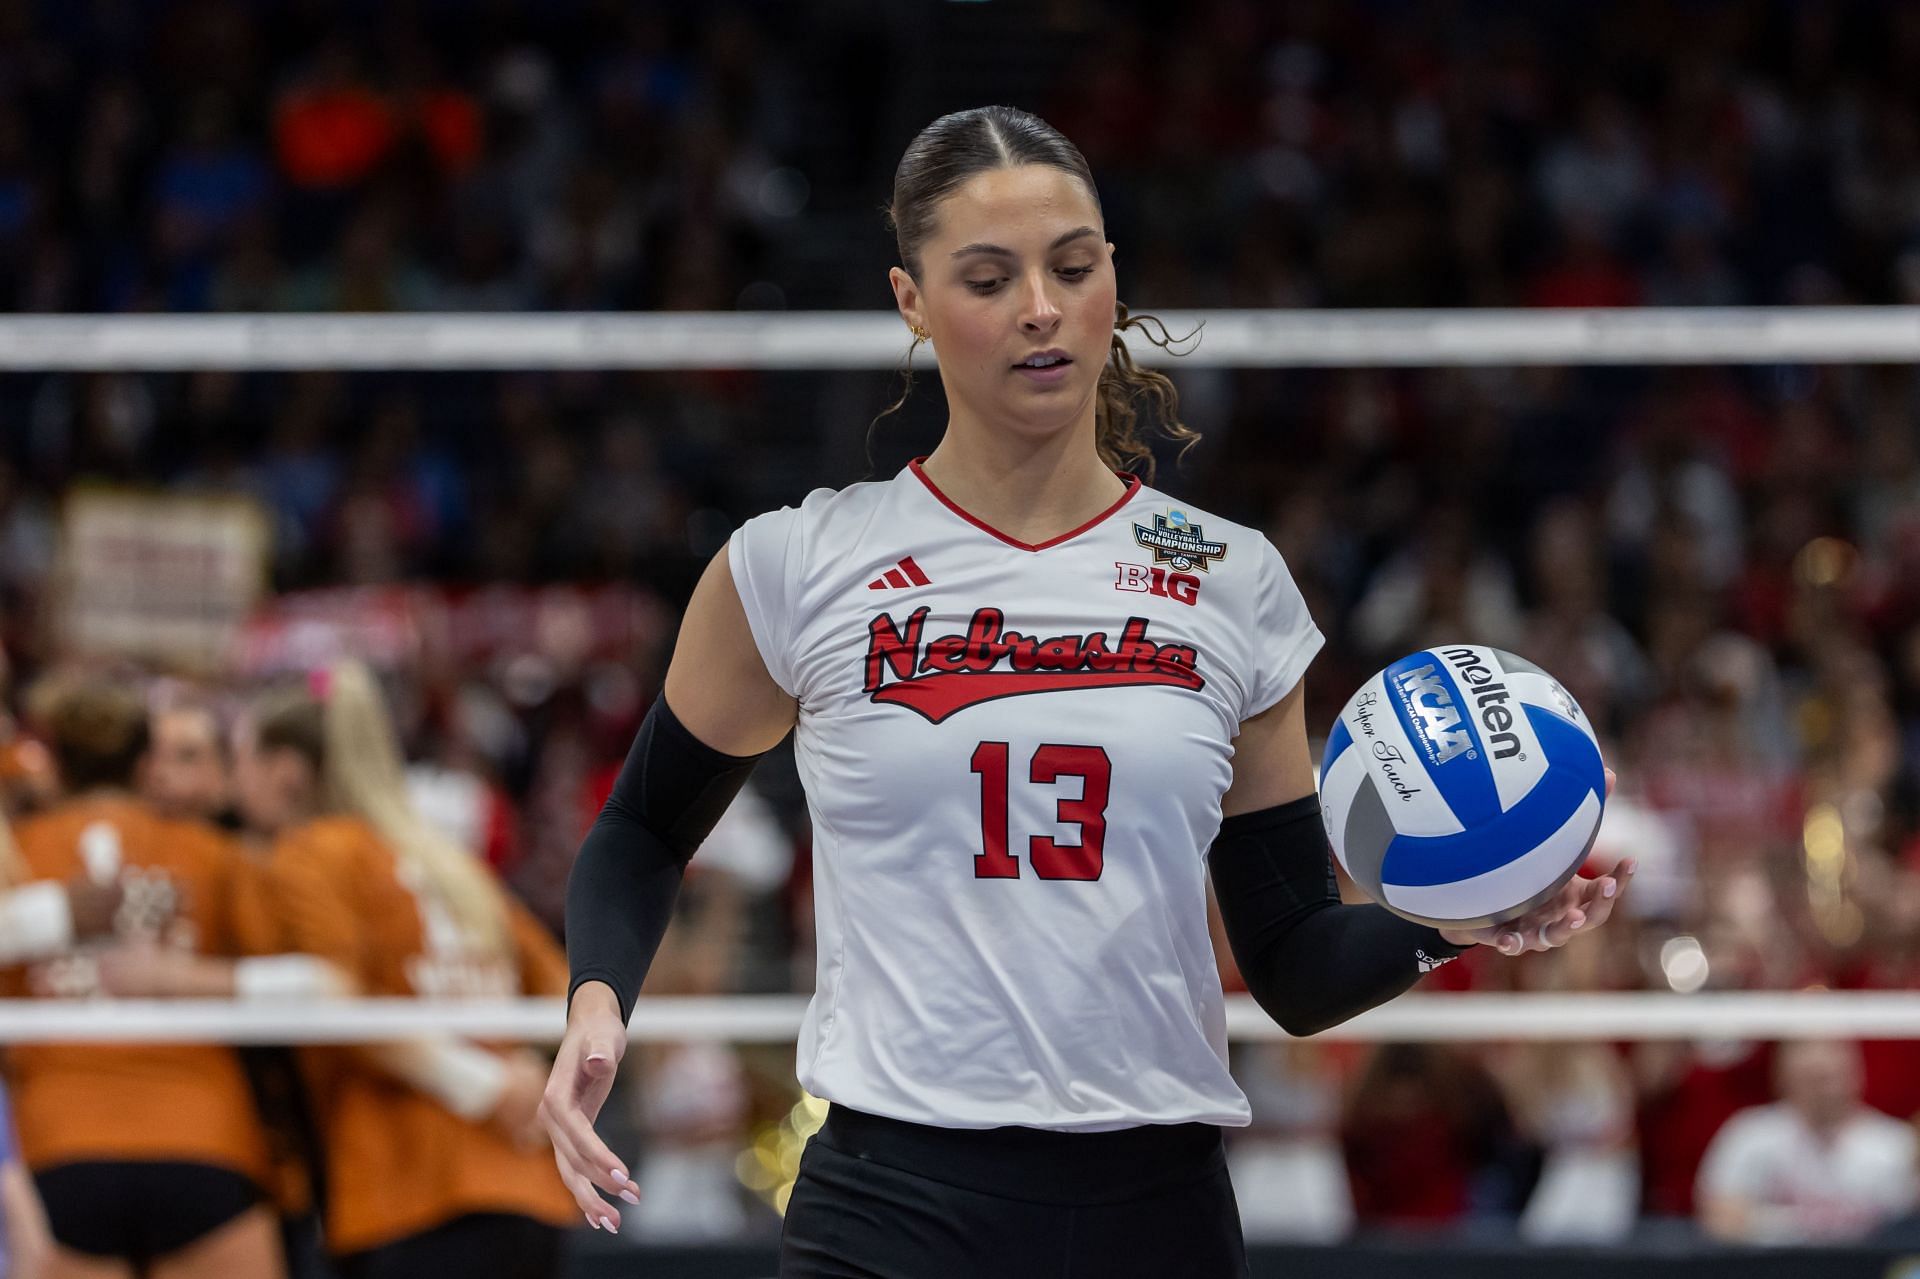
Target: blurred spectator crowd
x,y
1722,564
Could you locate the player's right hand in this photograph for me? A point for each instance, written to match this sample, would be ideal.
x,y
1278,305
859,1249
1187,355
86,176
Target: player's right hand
x,y
576,1089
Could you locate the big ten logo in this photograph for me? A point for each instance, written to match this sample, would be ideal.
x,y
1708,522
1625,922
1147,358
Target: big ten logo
x,y
1142,579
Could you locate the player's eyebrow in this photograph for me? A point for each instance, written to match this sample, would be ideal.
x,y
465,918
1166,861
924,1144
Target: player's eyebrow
x,y
997,251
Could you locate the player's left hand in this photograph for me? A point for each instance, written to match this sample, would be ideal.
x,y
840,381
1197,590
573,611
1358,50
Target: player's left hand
x,y
1580,906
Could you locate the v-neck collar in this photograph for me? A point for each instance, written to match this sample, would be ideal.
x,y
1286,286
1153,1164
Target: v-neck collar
x,y
1133,487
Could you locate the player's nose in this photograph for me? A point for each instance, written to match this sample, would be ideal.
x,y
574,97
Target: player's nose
x,y
1039,313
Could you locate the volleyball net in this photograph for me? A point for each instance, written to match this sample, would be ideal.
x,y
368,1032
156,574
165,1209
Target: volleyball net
x,y
828,341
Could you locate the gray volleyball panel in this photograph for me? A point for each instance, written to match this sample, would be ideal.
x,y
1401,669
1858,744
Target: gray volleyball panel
x,y
1369,832
1514,665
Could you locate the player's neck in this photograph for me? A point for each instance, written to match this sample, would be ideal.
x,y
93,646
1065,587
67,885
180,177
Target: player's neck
x,y
1032,491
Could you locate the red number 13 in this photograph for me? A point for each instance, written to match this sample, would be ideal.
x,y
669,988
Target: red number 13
x,y
1051,859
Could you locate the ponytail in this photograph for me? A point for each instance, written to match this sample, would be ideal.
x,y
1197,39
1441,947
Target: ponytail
x,y
364,774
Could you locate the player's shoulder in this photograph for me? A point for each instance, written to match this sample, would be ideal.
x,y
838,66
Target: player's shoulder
x,y
330,841
44,827
1770,1122
1180,511
1171,526
50,835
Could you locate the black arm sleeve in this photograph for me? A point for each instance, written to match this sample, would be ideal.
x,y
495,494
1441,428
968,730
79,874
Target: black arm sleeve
x,y
669,794
1309,960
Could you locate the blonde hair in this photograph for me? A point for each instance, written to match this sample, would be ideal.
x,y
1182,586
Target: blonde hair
x,y
350,740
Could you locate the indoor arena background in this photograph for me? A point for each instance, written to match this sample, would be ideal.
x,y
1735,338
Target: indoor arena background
x,y
1719,557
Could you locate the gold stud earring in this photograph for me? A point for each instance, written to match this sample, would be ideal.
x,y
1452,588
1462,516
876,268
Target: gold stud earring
x,y
919,334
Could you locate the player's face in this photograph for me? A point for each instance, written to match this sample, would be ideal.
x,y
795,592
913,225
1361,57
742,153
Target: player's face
x,y
1018,265
270,787
186,772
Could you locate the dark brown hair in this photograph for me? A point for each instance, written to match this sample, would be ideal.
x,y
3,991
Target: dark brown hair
x,y
96,728
295,721
940,160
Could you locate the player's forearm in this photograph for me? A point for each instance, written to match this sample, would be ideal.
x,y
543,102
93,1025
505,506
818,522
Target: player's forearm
x,y
1338,962
465,1078
166,974
619,902
1308,959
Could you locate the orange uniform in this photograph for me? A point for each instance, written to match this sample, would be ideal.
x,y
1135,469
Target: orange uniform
x,y
130,1102
398,1162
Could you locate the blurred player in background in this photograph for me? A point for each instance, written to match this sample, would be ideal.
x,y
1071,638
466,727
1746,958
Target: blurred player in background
x,y
436,1163
186,770
150,1159
187,773
23,1218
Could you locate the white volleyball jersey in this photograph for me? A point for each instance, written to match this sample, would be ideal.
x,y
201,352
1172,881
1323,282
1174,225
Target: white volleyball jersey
x,y
1014,757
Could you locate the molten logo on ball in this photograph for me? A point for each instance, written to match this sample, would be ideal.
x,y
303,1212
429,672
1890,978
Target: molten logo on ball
x,y
1492,700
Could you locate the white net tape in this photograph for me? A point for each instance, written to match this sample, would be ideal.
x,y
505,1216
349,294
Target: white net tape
x,y
775,1019
878,340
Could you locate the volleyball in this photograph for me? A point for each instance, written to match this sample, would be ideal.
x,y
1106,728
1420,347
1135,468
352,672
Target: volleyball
x,y
1461,786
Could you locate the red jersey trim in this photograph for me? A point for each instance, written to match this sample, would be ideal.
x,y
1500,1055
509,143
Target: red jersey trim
x,y
1133,487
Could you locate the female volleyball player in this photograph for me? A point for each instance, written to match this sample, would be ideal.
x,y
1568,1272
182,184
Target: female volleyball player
x,y
435,1158
150,1158
1037,703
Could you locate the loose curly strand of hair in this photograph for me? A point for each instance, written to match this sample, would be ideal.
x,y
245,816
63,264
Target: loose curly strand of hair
x,y
1117,431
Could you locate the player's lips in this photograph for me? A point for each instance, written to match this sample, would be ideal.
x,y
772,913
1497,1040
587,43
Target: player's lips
x,y
1045,366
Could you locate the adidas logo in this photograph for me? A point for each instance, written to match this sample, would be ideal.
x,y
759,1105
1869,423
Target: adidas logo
x,y
905,573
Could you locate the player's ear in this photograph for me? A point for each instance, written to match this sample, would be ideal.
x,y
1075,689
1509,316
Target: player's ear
x,y
906,296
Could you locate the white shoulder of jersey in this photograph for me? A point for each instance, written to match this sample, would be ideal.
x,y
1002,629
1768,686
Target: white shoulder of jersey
x,y
1282,636
768,558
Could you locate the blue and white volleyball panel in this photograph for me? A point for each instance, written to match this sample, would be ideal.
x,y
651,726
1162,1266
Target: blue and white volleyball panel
x,y
1461,786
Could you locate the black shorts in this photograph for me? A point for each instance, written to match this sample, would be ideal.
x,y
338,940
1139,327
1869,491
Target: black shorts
x,y
495,1244
882,1199
140,1211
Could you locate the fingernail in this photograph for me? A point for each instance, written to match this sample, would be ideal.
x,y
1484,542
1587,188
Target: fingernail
x,y
1510,944
1574,921
613,1225
629,1196
592,1220
596,1057
619,1177
1606,890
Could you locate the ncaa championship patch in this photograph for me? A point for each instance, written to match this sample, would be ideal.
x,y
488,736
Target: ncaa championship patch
x,y
1173,540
